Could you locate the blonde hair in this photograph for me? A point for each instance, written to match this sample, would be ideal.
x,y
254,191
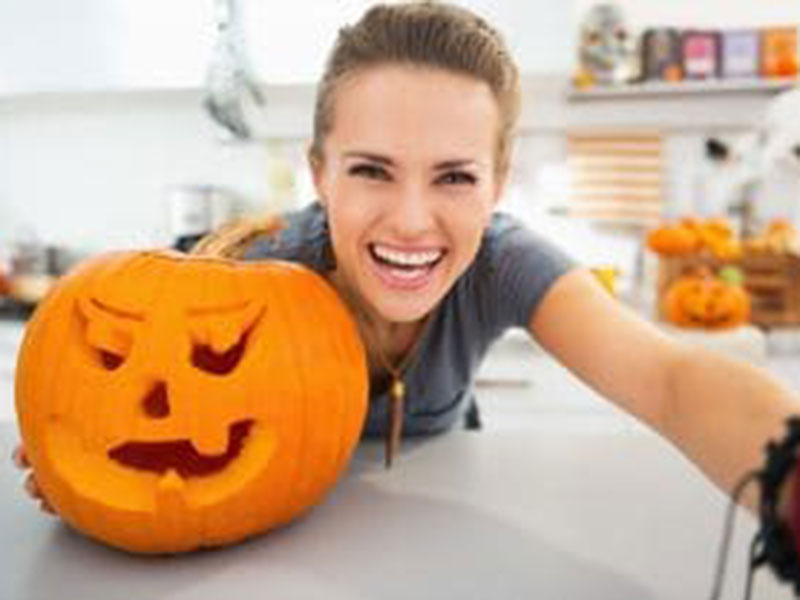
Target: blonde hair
x,y
422,34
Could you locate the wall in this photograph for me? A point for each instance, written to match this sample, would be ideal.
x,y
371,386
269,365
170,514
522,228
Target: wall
x,y
92,170
715,14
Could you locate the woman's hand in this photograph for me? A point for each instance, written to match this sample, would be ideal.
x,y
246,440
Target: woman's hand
x,y
21,461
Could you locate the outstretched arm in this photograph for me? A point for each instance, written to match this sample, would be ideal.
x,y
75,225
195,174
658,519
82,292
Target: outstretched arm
x,y
718,411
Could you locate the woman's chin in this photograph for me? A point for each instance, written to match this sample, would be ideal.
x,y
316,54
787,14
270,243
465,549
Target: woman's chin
x,y
401,305
404,314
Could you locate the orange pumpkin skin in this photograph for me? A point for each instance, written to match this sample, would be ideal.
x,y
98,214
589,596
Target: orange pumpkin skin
x,y
673,240
706,302
169,402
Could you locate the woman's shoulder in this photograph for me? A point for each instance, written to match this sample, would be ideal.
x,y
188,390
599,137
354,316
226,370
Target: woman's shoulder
x,y
514,269
508,238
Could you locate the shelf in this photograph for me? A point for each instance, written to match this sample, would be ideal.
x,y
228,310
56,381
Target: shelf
x,y
660,89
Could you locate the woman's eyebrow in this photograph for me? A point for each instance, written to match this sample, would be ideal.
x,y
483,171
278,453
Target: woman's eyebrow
x,y
455,164
385,160
371,156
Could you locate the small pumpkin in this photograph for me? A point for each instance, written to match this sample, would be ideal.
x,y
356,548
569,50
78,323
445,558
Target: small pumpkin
x,y
692,235
725,249
778,238
673,240
169,402
705,301
716,234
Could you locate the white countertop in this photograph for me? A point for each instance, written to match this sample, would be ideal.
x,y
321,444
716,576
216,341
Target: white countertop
x,y
507,515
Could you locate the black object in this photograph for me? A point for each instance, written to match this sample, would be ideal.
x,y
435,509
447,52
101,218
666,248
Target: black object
x,y
776,539
185,243
774,544
472,418
717,150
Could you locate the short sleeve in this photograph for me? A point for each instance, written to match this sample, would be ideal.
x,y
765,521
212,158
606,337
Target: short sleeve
x,y
521,265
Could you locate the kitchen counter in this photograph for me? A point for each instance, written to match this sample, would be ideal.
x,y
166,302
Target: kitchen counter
x,y
548,514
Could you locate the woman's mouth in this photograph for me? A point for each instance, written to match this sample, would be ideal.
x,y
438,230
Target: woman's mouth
x,y
405,268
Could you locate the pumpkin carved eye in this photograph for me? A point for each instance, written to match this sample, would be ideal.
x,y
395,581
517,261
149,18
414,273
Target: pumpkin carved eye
x,y
107,334
109,360
206,359
220,337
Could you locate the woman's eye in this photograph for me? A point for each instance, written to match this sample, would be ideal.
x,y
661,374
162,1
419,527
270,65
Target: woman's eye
x,y
456,178
370,172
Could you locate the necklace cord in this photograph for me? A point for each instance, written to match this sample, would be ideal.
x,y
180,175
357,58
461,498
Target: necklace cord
x,y
724,549
397,388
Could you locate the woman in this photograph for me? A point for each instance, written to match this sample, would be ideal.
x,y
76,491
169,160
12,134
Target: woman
x,y
411,148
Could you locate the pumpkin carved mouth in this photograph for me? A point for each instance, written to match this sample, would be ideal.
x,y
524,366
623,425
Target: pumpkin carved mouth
x,y
181,455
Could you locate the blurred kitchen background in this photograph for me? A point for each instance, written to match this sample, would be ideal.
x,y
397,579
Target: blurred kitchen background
x,y
129,124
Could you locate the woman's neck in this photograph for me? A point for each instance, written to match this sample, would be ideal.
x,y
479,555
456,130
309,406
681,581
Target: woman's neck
x,y
387,341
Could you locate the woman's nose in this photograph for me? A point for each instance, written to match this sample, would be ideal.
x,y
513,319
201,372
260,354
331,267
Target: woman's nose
x,y
413,210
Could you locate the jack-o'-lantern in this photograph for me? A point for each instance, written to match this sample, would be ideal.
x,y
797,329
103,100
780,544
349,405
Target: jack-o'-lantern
x,y
705,301
169,402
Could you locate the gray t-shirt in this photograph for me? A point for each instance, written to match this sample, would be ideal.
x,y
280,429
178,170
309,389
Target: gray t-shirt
x,y
511,273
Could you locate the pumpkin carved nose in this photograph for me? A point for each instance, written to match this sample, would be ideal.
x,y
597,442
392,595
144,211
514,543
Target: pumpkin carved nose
x,y
156,404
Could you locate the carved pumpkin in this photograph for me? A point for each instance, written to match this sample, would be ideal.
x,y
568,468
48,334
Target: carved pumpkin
x,y
702,300
169,402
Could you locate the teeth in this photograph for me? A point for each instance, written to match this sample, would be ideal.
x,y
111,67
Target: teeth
x,y
411,259
406,273
211,440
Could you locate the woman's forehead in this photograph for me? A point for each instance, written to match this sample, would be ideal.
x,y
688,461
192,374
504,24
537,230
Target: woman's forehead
x,y
395,110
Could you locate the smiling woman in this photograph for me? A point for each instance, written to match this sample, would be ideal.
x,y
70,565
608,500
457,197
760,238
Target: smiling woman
x,y
411,149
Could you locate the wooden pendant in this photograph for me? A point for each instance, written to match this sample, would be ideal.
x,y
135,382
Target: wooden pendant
x,y
397,395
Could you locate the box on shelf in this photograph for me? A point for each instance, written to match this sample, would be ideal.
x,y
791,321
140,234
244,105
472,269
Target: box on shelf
x,y
779,52
700,51
773,281
740,53
661,55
